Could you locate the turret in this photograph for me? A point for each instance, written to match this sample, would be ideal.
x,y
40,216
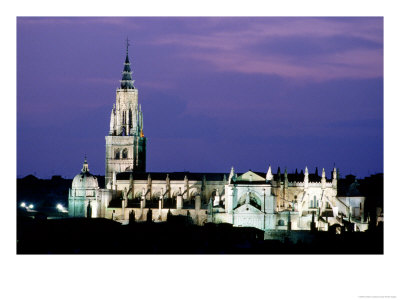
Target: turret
x,y
279,176
286,181
306,177
231,175
323,179
269,175
334,178
112,122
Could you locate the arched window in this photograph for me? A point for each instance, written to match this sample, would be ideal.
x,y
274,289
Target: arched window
x,y
281,223
117,154
125,153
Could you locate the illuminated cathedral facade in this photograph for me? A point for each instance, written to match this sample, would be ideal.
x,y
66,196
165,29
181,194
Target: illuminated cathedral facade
x,y
263,200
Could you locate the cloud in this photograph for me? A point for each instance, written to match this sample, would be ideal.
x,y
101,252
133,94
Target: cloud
x,y
233,50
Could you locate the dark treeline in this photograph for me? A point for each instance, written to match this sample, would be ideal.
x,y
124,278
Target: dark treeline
x,y
45,192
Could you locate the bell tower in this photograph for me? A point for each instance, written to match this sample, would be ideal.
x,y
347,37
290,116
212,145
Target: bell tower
x,y
125,142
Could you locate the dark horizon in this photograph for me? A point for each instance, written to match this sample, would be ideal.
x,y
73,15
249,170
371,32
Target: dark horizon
x,y
215,93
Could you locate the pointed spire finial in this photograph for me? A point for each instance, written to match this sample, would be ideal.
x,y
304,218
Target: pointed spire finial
x,y
127,45
85,167
269,174
231,174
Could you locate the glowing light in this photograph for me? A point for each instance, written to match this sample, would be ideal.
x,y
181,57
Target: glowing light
x,y
60,207
30,206
23,204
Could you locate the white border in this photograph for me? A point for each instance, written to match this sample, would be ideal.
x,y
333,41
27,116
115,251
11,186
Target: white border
x,y
179,277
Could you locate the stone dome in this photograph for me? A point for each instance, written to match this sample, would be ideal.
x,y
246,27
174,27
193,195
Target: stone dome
x,y
85,180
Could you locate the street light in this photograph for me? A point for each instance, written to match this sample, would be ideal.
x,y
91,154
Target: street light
x,y
30,206
61,208
23,204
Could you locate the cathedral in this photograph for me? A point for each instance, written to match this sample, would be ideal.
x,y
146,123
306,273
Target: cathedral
x,y
263,200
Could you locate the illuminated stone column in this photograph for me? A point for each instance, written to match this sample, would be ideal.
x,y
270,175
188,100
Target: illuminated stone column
x,y
229,192
123,209
179,200
197,202
143,201
124,203
186,182
168,187
160,203
149,185
114,181
217,198
263,202
132,186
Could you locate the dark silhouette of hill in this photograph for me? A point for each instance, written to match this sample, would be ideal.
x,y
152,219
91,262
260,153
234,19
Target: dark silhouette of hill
x,y
177,236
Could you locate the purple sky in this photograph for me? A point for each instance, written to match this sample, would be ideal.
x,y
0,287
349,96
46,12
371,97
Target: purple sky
x,y
215,92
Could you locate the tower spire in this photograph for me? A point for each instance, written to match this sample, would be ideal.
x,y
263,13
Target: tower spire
x,y
127,82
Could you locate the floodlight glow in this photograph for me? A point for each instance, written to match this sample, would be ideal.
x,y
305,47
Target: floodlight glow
x,y
59,207
30,206
23,204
